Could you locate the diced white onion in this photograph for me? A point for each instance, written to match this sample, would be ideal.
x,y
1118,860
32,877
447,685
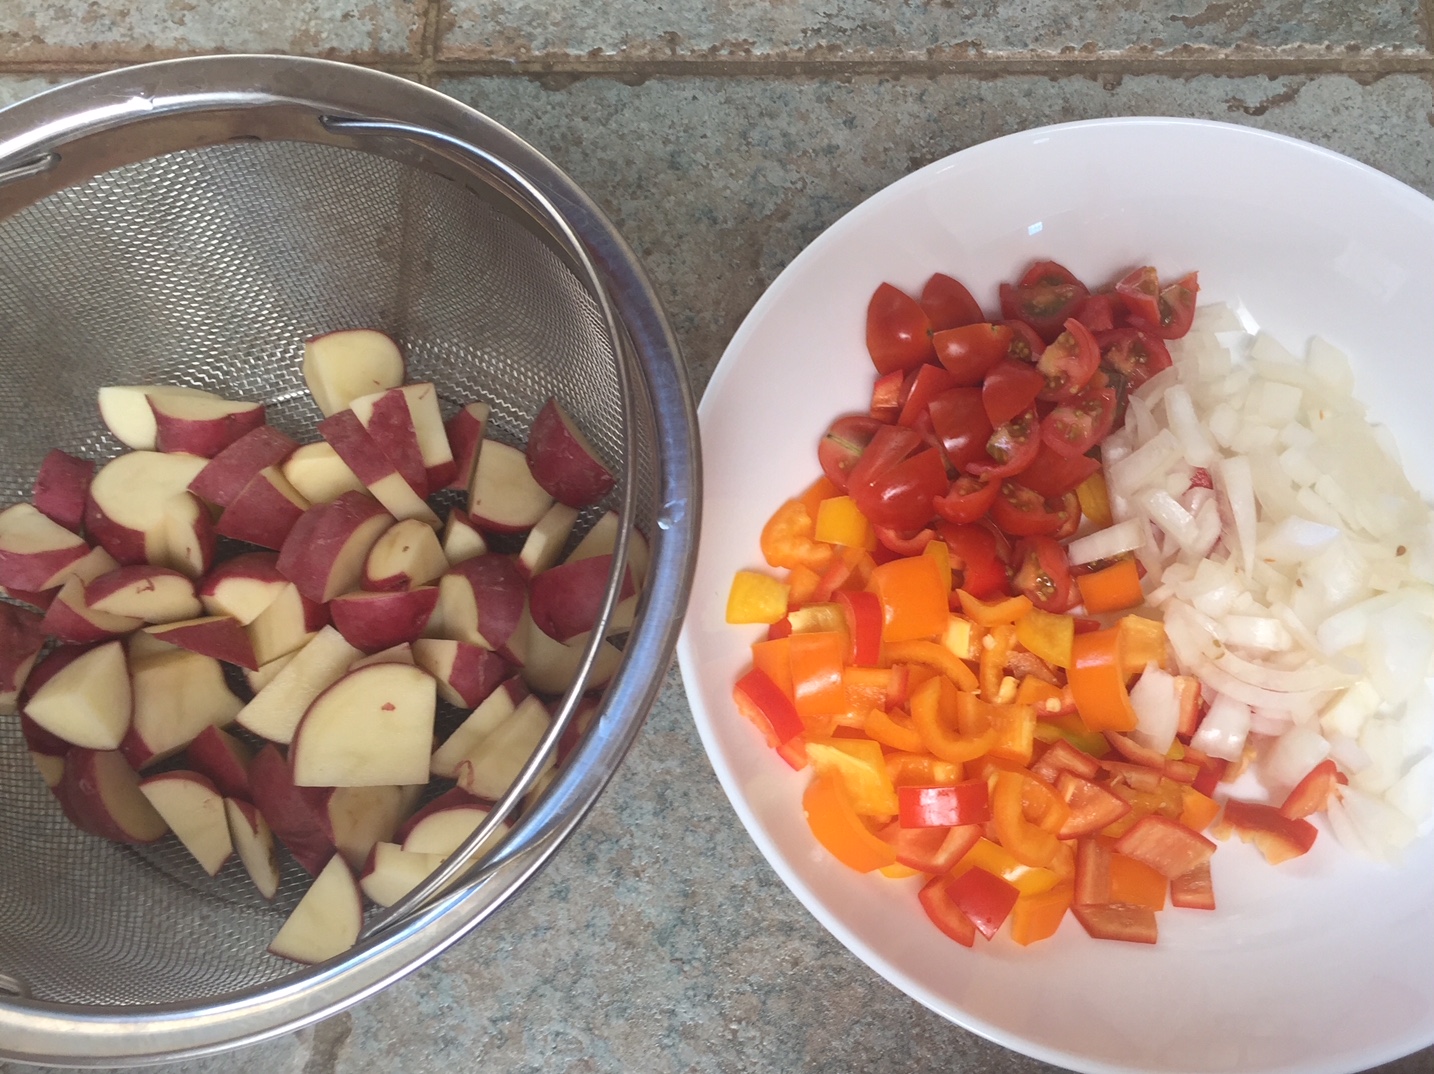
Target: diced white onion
x,y
1156,700
1223,730
1114,540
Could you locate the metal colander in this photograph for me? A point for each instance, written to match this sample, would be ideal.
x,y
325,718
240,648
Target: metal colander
x,y
193,222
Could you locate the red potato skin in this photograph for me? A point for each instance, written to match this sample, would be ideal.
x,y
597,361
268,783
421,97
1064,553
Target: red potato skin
x,y
21,638
375,621
38,740
261,514
561,463
68,622
135,573
125,544
80,796
36,571
499,593
565,600
62,486
391,427
465,433
317,537
55,661
352,443
298,816
222,759
238,464
221,638
263,566
205,437
39,601
476,673
453,798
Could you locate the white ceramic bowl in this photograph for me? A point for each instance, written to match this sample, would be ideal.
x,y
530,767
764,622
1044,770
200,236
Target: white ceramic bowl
x,y
1324,964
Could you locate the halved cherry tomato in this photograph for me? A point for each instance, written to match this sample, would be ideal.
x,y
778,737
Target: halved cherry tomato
x,y
898,332
1021,512
976,556
900,498
1139,292
1069,362
948,304
1026,346
970,351
1009,389
1052,474
959,420
1176,309
1042,572
1047,295
1133,353
1011,447
843,444
1099,311
921,386
969,498
1080,423
886,395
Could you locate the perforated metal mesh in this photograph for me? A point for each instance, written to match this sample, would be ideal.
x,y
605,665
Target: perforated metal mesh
x,y
209,267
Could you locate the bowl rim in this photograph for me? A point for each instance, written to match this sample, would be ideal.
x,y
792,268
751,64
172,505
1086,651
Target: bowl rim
x,y
687,648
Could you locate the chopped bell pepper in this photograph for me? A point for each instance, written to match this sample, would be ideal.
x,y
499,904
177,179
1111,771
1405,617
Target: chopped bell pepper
x,y
1094,500
1047,635
912,600
840,522
1111,589
1136,883
788,541
893,729
816,662
1097,679
994,613
756,598
774,658
861,767
938,735
838,827
863,617
910,769
997,860
932,655
1028,843
968,802
1037,917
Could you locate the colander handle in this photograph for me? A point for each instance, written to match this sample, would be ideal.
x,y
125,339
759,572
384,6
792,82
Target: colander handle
x,y
458,862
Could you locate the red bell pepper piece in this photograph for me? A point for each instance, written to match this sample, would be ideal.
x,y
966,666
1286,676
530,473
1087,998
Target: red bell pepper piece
x,y
864,624
984,898
1063,756
1312,794
941,908
968,802
1092,807
1117,921
1167,846
756,693
1278,837
1193,890
1092,871
931,850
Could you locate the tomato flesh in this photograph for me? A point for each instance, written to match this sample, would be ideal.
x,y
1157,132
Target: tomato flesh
x,y
1042,573
1079,424
898,332
948,304
1134,354
1011,447
1069,362
842,445
969,498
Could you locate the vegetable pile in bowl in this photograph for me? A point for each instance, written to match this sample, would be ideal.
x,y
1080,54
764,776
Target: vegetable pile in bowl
x,y
1021,596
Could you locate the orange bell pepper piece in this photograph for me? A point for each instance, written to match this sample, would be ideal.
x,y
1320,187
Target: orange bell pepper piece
x,y
1199,810
937,657
819,490
861,767
816,663
1097,680
802,582
998,861
892,729
1028,843
1036,917
912,601
940,551
787,539
937,734
1144,643
838,827
922,770
1006,610
1094,500
1111,590
773,657
1135,882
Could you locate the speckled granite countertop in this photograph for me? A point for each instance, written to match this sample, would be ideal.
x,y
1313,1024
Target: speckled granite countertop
x,y
722,137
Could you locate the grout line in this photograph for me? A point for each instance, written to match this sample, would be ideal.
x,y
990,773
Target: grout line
x,y
432,30
426,67
1426,22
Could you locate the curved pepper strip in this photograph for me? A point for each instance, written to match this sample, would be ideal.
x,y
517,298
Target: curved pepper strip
x,y
933,655
1097,680
1028,843
837,826
938,738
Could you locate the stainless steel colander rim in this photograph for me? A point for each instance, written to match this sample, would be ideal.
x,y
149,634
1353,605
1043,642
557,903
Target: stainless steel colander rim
x,y
38,1031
